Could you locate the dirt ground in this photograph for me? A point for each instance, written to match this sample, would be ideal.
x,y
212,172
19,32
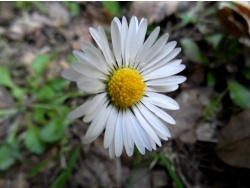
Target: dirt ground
x,y
210,141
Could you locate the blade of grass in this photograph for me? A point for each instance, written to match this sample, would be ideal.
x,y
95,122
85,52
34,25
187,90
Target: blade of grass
x,y
172,174
63,177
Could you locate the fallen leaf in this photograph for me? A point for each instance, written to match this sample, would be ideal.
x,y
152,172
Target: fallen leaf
x,y
78,33
192,103
142,178
154,11
235,17
22,26
207,132
6,12
58,13
159,178
233,146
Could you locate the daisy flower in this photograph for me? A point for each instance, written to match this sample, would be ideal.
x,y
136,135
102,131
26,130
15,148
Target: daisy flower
x,y
126,86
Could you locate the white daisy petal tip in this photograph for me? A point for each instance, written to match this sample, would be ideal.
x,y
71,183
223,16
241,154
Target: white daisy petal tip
x,y
127,81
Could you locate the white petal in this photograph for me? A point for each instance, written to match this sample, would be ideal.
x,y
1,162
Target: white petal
x,y
71,75
160,57
152,143
130,139
161,100
144,136
162,89
79,111
97,125
90,59
125,134
80,56
164,72
95,35
135,134
140,37
172,80
164,62
155,49
159,112
118,135
96,102
124,33
130,39
146,126
95,107
116,40
155,122
105,47
94,57
90,85
110,128
89,71
112,149
147,45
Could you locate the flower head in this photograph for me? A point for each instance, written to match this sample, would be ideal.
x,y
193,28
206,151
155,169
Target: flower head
x,y
126,86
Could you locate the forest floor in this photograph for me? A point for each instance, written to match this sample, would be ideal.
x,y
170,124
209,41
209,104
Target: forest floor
x,y
210,141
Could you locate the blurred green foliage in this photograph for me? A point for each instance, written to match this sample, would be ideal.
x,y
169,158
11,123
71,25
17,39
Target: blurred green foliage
x,y
44,112
73,7
29,5
239,94
113,7
192,51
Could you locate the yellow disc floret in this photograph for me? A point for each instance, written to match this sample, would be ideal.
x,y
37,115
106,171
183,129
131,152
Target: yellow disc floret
x,y
125,87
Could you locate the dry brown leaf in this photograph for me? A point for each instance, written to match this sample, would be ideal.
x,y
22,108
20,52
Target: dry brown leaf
x,y
192,103
142,178
206,132
22,26
6,12
58,13
78,32
233,146
235,17
154,11
159,178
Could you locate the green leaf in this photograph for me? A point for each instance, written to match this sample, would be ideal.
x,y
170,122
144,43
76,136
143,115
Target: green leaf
x,y
246,73
211,79
73,7
55,130
6,158
214,40
5,78
38,115
12,138
239,94
18,92
4,112
113,7
71,58
46,92
40,6
32,140
192,51
40,63
187,18
58,84
32,82
63,177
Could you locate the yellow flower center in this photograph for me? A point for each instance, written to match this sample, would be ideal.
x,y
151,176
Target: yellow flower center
x,y
126,87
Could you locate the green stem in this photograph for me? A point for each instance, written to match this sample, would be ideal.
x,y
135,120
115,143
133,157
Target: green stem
x,y
172,174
